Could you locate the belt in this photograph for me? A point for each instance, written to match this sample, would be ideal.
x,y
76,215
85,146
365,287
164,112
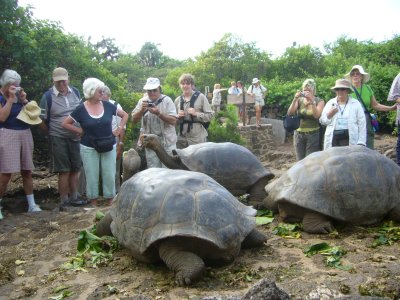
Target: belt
x,y
308,132
341,132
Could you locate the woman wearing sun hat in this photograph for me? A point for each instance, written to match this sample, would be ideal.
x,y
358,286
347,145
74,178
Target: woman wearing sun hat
x,y
364,94
17,115
344,118
258,91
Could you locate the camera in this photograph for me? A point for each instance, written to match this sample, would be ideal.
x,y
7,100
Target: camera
x,y
18,92
302,94
150,104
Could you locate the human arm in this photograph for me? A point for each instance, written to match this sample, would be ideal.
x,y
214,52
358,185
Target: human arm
x,y
362,127
43,114
394,93
139,110
380,107
124,118
294,106
9,96
328,112
68,124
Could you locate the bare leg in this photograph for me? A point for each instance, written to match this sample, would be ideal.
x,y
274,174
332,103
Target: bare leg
x,y
187,265
4,180
63,185
27,181
73,182
258,115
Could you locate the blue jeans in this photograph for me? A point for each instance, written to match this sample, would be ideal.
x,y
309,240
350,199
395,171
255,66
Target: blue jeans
x,y
94,164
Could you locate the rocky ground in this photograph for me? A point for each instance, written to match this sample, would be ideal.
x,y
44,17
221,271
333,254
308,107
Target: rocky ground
x,y
35,247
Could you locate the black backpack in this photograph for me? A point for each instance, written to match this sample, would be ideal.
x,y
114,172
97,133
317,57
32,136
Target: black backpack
x,y
192,101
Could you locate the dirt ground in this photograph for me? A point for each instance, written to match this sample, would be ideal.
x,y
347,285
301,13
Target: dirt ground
x,y
33,247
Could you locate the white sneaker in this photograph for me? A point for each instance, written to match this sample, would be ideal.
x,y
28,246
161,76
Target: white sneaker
x,y
34,208
1,215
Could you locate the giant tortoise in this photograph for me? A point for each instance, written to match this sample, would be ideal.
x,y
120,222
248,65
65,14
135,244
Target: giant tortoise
x,y
350,184
231,165
184,218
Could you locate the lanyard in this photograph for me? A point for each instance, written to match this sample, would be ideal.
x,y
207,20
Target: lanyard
x,y
342,111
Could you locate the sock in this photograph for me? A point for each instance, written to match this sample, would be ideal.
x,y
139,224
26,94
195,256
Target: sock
x,y
31,200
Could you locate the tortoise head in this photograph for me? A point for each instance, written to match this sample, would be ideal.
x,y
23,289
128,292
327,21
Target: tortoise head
x,y
150,141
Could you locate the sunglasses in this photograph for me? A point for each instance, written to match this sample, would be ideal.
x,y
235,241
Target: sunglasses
x,y
152,91
341,89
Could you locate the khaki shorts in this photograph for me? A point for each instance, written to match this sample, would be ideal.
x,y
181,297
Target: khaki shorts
x,y
65,155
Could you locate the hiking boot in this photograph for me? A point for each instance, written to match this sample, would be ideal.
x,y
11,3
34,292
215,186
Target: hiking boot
x,y
34,208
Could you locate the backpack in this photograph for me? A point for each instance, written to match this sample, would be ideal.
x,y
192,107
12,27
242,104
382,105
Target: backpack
x,y
49,101
192,101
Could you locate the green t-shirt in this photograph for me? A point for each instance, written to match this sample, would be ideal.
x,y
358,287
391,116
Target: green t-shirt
x,y
366,94
308,123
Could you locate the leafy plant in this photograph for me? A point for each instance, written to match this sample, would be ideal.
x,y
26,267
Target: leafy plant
x,y
264,217
332,255
288,231
388,234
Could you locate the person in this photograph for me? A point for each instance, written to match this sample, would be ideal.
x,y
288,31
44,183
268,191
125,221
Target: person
x,y
17,114
97,138
233,90
192,117
157,114
306,104
258,91
365,95
120,138
394,95
217,98
344,118
56,104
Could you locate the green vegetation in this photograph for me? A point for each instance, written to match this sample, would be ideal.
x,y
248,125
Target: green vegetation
x,y
332,255
35,47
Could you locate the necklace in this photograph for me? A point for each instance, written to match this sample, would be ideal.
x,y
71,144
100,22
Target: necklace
x,y
342,111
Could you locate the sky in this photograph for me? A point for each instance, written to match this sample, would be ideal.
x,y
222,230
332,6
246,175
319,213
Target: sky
x,y
183,29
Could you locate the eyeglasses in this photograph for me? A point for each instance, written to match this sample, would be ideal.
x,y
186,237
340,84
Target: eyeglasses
x,y
152,91
340,89
355,74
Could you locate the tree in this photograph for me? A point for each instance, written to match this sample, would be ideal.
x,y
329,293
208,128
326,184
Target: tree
x,y
149,55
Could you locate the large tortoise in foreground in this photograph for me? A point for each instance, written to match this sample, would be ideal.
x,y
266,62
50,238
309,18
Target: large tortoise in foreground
x,y
183,218
350,184
231,165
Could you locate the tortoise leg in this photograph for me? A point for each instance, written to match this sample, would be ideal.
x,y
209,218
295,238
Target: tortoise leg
x,y
257,193
103,226
254,239
187,265
394,214
314,222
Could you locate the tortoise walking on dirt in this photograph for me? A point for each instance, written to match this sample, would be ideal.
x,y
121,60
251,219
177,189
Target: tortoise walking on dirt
x,y
350,184
184,218
231,165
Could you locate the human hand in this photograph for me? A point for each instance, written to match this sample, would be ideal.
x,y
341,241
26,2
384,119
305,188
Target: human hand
x,y
181,113
192,111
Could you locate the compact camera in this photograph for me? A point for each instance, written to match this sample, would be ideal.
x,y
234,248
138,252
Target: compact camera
x,y
18,92
302,94
150,104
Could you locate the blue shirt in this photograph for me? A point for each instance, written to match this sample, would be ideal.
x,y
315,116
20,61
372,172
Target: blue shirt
x,y
94,127
12,122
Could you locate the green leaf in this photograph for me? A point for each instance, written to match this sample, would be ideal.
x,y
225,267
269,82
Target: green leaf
x,y
264,220
99,215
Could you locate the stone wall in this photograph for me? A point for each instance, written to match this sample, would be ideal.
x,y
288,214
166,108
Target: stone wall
x,y
259,141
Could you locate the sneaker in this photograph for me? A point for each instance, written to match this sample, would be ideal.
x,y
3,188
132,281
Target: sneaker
x,y
34,208
77,202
